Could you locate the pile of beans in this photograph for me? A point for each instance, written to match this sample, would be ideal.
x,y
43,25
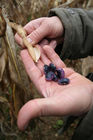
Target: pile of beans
x,y
55,74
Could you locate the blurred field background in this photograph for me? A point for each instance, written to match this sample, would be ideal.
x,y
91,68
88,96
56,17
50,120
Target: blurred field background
x,y
15,87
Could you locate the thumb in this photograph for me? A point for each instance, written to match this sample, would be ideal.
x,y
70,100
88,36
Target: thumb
x,y
52,106
32,109
40,33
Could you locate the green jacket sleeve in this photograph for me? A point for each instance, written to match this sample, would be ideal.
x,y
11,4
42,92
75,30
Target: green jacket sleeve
x,y
78,25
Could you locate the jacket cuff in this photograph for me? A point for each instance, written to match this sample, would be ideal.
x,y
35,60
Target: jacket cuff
x,y
72,26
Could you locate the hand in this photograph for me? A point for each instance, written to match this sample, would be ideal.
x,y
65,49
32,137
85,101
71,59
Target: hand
x,y
72,99
46,27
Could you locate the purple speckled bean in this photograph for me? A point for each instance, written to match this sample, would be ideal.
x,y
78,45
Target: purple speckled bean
x,y
60,73
63,81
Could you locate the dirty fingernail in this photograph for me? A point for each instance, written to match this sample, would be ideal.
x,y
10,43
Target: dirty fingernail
x,y
29,39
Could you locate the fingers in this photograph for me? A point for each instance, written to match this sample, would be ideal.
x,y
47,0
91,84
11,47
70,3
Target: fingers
x,y
44,58
53,44
29,27
33,24
19,40
38,34
52,55
40,65
44,42
32,70
55,59
35,37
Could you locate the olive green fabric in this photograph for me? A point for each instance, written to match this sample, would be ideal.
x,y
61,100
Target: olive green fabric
x,y
78,43
84,130
78,25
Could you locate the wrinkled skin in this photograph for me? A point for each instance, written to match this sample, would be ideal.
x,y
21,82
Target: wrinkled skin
x,y
41,28
72,99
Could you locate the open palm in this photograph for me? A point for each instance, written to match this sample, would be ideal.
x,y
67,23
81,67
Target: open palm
x,y
72,99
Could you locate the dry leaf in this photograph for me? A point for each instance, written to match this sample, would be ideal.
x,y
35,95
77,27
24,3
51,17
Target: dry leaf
x,y
3,100
2,24
2,62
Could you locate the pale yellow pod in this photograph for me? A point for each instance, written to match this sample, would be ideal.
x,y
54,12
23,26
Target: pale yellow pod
x,y
37,53
33,51
30,48
20,30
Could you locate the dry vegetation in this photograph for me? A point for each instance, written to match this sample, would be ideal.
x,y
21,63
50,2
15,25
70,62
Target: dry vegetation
x,y
15,86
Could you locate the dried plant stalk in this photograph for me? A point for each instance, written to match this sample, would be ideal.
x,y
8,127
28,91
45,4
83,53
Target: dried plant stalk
x,y
2,24
33,51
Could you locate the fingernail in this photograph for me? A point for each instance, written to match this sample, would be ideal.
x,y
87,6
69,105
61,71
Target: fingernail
x,y
26,125
54,43
29,39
